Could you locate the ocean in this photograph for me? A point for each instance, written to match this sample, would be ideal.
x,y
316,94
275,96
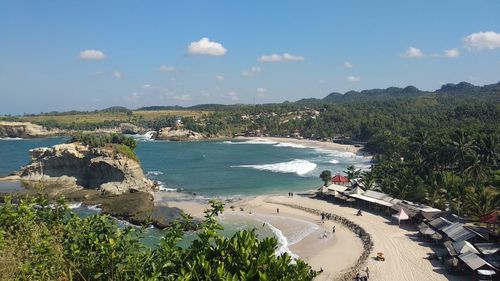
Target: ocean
x,y
223,169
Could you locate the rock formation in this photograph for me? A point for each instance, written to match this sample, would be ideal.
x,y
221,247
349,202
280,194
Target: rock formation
x,y
75,164
178,134
24,130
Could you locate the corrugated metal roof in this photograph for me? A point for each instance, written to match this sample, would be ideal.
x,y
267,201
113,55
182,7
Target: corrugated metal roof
x,y
457,232
336,187
474,261
488,248
440,223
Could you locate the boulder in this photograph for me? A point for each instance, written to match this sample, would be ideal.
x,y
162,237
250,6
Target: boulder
x,y
178,134
103,168
25,130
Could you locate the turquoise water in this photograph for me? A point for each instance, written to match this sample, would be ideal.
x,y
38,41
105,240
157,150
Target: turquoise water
x,y
219,168
216,168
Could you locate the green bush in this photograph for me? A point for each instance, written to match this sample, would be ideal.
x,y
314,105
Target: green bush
x,y
39,241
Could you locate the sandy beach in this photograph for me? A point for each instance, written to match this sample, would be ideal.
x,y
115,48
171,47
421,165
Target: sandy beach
x,y
405,253
309,143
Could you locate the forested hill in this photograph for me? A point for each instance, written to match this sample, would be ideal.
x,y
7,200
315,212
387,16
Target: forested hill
x,y
462,89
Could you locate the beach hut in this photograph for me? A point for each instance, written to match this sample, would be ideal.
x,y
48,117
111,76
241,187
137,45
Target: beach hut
x,y
401,216
492,221
340,180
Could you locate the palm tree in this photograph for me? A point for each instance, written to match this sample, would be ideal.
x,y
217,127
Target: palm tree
x,y
435,194
367,179
326,176
476,170
462,146
480,201
352,172
488,149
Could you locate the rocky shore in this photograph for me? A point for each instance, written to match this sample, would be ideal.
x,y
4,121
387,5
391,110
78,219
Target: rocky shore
x,y
30,130
94,176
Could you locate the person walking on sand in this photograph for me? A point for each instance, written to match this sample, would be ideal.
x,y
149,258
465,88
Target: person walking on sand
x,y
278,210
333,230
367,273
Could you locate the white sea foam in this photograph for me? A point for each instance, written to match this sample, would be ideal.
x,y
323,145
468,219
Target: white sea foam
x,y
154,173
282,240
288,144
148,136
74,205
227,142
297,166
258,141
334,161
94,208
11,138
167,189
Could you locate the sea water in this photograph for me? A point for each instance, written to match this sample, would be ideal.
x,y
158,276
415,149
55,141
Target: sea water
x,y
223,169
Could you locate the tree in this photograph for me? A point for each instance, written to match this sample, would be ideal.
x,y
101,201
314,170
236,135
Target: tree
x,y
352,172
326,176
58,245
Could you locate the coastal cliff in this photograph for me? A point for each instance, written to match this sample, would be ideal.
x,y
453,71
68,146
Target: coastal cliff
x,y
25,130
178,134
101,168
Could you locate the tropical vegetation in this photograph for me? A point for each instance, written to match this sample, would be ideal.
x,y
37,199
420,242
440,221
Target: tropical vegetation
x,y
42,241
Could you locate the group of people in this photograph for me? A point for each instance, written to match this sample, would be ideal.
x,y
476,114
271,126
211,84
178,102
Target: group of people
x,y
363,278
325,216
290,194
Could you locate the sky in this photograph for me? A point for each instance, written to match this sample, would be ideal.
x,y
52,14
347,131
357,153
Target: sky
x,y
63,55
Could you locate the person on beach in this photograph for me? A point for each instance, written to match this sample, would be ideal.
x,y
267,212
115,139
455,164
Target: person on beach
x,y
367,273
325,235
333,230
277,210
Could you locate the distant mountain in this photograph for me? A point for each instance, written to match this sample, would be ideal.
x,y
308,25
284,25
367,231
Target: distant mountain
x,y
461,89
114,109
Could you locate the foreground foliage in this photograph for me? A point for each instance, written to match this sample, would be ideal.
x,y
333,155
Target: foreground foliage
x,y
39,241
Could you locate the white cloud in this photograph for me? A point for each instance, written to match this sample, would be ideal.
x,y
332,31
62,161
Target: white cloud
x,y
353,78
117,74
348,64
482,40
452,53
254,70
147,86
413,53
182,98
206,47
279,58
166,68
220,77
133,97
233,95
92,55
261,92
204,93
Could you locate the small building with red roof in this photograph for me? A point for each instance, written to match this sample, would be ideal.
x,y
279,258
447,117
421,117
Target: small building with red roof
x,y
340,180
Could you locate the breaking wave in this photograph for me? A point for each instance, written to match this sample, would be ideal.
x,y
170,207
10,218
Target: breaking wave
x,y
288,144
154,173
297,166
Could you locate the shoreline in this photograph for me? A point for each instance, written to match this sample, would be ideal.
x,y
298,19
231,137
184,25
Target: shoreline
x,y
310,143
343,253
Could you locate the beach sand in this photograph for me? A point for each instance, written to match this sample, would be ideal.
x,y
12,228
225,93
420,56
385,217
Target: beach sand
x,y
405,254
309,143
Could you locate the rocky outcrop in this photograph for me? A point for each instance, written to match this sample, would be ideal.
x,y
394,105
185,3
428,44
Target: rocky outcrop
x,y
95,168
24,130
178,134
131,129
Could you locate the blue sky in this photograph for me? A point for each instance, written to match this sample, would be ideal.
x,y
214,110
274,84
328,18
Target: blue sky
x,y
85,55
